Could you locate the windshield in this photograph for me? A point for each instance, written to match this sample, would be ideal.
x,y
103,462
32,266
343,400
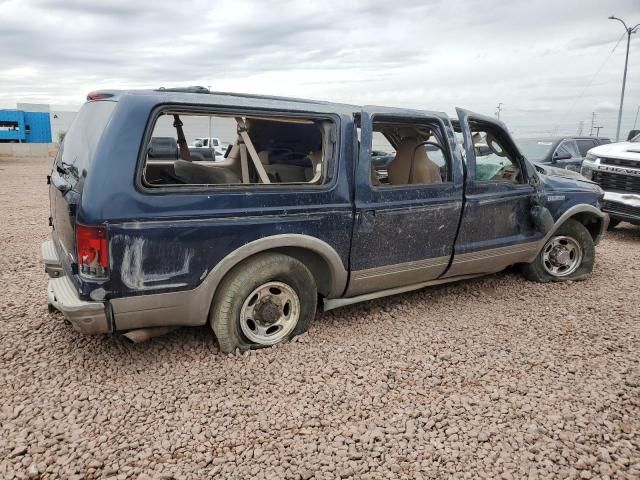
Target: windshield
x,y
636,138
534,148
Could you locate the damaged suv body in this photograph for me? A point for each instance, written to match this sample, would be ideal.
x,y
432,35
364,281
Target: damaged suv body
x,y
312,202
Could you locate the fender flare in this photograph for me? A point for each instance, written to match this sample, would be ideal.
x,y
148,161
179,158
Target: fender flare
x,y
327,252
573,211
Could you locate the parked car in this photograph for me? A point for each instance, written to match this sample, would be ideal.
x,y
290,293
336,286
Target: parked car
x,y
559,152
166,149
616,168
212,143
296,214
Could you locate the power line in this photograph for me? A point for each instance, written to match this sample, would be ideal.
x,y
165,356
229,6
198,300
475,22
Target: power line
x,y
590,81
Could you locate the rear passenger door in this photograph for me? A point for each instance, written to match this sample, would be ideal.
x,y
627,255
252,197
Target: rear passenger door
x,y
404,230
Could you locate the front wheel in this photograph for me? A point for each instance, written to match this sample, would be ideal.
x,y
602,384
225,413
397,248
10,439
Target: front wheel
x,y
263,301
568,255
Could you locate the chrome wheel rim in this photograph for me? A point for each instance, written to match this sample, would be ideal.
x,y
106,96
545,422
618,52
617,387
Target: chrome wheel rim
x,y
270,313
561,256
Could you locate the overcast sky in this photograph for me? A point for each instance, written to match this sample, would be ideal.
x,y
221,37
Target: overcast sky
x,y
537,57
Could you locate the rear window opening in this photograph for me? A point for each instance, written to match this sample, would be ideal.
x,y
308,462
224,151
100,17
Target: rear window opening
x,y
187,149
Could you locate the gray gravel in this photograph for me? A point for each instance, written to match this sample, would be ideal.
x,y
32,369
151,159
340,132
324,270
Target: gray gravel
x,y
490,378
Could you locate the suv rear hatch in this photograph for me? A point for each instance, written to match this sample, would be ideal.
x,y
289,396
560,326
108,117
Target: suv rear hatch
x,y
70,169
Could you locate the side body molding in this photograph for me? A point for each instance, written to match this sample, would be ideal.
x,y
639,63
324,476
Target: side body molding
x,y
191,307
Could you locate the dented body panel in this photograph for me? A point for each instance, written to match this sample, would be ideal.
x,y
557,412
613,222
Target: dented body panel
x,y
168,251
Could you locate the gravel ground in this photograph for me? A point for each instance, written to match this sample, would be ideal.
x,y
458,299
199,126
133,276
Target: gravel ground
x,y
490,378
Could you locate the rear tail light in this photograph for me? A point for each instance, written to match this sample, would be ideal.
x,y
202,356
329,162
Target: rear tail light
x,y
97,95
93,250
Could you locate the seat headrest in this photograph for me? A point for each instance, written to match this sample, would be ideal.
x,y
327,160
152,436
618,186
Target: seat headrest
x,y
164,148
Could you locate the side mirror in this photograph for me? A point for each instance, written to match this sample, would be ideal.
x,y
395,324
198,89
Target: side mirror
x,y
482,150
560,156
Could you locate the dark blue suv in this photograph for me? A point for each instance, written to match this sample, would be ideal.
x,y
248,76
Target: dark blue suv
x,y
311,202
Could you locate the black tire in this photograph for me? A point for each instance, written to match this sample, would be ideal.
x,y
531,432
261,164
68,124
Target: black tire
x,y
245,278
536,271
613,223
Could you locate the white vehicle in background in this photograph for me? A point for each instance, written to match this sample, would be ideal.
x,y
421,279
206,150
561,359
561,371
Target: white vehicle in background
x,y
212,142
616,168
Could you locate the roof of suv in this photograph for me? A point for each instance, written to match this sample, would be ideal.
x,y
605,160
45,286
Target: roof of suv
x,y
201,95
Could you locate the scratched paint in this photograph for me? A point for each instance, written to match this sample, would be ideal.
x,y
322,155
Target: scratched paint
x,y
134,275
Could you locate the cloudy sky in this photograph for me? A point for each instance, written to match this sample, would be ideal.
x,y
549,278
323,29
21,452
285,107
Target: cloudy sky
x,y
550,62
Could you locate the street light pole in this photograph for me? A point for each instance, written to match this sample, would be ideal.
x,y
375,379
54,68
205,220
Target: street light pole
x,y
629,30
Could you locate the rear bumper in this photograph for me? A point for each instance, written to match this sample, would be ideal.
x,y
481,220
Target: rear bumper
x,y
85,317
49,257
622,206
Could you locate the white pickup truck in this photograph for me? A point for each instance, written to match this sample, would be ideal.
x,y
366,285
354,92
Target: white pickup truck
x,y
616,168
212,142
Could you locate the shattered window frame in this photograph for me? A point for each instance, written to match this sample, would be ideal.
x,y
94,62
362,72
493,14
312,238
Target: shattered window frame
x,y
332,159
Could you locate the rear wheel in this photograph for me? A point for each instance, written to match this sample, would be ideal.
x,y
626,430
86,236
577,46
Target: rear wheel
x,y
568,255
265,300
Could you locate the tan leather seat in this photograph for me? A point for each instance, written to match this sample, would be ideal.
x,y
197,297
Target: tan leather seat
x,y
425,171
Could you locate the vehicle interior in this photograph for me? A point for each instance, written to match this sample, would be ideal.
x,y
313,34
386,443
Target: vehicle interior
x,y
407,154
495,159
261,150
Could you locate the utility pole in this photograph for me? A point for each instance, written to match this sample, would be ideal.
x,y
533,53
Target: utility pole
x,y
580,128
593,123
630,31
598,131
499,109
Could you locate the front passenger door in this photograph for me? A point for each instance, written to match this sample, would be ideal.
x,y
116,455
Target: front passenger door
x,y
496,228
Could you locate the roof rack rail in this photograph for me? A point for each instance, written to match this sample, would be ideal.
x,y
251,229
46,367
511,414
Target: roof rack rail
x,y
193,89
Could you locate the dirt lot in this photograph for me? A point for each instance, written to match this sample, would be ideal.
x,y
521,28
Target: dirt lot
x,y
491,378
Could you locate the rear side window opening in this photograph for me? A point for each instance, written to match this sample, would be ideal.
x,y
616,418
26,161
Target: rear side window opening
x,y
408,153
189,149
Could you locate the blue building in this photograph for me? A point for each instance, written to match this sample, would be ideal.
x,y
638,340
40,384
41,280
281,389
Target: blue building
x,y
25,127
